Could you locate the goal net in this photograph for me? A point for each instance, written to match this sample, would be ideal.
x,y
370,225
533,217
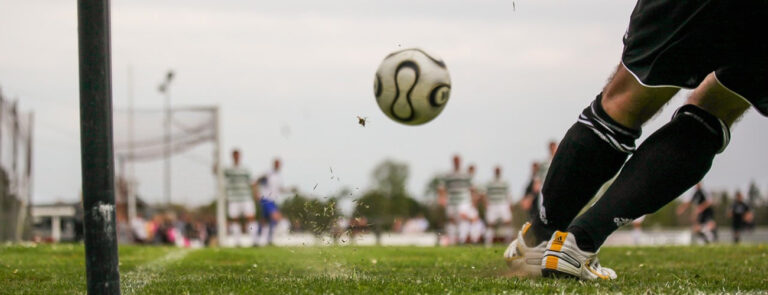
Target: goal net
x,y
15,170
163,162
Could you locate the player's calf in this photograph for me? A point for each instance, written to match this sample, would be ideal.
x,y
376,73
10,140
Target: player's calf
x,y
592,152
669,162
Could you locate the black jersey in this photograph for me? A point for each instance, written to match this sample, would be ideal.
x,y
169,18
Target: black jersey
x,y
533,211
700,197
738,210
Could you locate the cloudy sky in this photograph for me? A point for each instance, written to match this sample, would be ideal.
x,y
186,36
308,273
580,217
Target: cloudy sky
x,y
290,78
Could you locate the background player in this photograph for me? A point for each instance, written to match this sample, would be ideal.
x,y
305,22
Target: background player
x,y
637,230
498,212
271,189
703,216
530,200
669,45
541,172
471,226
740,215
454,192
239,199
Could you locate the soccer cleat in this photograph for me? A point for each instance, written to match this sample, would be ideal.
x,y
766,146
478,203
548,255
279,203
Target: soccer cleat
x,y
564,258
524,260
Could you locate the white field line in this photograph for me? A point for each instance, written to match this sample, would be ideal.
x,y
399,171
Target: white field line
x,y
134,281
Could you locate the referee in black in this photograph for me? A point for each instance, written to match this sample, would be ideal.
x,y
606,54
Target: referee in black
x,y
739,214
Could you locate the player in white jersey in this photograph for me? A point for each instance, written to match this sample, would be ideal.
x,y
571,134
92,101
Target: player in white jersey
x,y
498,212
454,192
271,190
239,197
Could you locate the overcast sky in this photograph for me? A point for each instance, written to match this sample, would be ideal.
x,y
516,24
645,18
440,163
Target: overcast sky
x,y
291,77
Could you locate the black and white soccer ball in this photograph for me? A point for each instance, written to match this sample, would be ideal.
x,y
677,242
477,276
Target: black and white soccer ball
x,y
412,86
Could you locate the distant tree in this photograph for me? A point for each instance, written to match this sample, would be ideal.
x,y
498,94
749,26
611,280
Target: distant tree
x,y
388,199
435,213
431,189
390,177
310,214
753,195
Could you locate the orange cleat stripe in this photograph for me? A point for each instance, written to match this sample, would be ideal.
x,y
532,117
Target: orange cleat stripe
x,y
526,226
557,243
551,262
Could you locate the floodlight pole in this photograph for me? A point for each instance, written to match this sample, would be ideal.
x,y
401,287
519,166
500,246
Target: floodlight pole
x,y
97,160
164,88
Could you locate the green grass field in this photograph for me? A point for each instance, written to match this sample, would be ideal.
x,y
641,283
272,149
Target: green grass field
x,y
46,269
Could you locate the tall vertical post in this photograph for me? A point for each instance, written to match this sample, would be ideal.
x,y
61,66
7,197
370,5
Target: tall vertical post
x,y
167,162
97,162
221,202
165,89
131,172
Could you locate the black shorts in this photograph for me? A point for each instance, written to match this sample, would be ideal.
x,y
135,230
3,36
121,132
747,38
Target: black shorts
x,y
738,223
680,42
706,215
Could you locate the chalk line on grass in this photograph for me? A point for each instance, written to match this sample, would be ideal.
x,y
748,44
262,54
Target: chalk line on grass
x,y
134,281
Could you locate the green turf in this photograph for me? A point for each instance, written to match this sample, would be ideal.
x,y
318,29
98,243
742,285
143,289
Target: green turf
x,y
46,269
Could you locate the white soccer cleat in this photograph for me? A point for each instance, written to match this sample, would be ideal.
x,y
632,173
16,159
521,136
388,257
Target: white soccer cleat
x,y
524,260
564,258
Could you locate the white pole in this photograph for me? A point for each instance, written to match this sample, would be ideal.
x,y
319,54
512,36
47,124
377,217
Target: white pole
x,y
167,161
26,195
221,202
129,179
56,228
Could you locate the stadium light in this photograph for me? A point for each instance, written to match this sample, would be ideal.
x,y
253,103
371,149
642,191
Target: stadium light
x,y
97,159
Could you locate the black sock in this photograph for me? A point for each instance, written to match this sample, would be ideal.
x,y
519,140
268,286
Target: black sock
x,y
669,162
592,152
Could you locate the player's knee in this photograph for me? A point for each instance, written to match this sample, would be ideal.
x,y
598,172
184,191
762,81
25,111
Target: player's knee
x,y
717,100
617,136
710,122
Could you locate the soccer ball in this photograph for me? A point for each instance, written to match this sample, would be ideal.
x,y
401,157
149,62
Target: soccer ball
x,y
412,86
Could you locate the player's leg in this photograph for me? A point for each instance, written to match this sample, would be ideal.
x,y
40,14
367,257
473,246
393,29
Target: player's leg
x,y
668,163
249,210
233,214
701,232
451,225
711,229
696,233
506,222
490,233
594,149
492,219
464,216
477,228
451,230
463,231
274,217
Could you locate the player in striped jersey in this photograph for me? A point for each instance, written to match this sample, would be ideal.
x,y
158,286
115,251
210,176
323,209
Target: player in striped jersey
x,y
471,226
498,212
454,192
239,197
